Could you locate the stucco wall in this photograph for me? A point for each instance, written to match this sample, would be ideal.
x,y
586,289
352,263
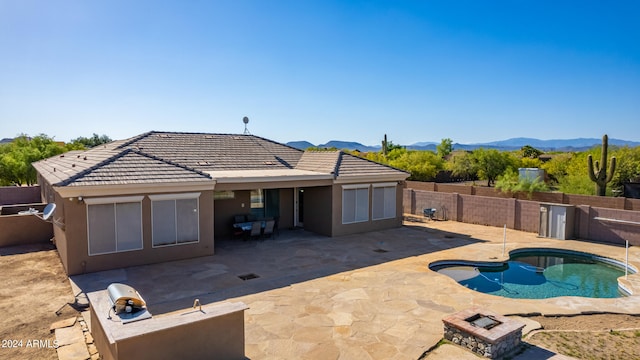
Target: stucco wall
x,y
317,210
338,228
24,229
226,209
77,259
214,332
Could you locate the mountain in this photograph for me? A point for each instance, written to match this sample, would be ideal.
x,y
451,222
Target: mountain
x,y
302,145
579,144
349,145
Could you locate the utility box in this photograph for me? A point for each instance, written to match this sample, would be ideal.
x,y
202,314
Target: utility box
x,y
556,221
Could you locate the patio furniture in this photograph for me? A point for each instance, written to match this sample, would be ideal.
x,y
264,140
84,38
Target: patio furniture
x,y
429,213
268,228
256,229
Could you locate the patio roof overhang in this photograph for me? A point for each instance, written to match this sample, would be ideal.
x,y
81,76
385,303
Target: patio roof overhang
x,y
130,189
261,176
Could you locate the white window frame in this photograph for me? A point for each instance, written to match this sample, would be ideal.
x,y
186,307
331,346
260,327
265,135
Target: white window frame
x,y
389,196
113,201
359,217
174,197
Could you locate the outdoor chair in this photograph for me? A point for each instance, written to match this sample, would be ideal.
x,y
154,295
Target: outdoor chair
x,y
268,228
256,228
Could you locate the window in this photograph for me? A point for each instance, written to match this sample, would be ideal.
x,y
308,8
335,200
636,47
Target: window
x,y
257,200
223,195
384,201
114,224
355,203
175,219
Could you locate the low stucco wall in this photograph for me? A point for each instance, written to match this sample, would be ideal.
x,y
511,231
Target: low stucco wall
x,y
214,332
23,229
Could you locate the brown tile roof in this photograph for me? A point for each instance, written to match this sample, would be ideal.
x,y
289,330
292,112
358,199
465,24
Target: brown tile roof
x,y
353,166
165,157
320,161
216,151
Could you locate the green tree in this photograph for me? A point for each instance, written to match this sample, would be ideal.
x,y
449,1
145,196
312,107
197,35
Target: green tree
x,y
423,165
510,182
528,151
556,168
445,147
90,142
491,163
462,165
17,156
627,167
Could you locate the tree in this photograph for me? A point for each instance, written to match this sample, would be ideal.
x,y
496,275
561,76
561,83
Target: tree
x,y
528,151
423,165
511,182
627,168
461,165
17,156
93,141
445,147
491,163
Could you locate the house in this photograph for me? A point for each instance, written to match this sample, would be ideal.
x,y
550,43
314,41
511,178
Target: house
x,y
163,196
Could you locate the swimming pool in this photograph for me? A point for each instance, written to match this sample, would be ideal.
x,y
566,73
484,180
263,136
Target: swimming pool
x,y
540,274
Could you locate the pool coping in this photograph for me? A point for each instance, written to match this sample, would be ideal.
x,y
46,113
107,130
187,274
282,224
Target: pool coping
x,y
623,286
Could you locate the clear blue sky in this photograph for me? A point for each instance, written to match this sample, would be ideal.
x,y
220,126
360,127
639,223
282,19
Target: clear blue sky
x,y
472,71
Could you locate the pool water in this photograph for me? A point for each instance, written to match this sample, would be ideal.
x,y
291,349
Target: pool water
x,y
540,275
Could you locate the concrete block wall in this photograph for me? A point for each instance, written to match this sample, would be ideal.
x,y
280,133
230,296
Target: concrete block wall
x,y
524,215
613,231
527,217
596,201
11,195
485,210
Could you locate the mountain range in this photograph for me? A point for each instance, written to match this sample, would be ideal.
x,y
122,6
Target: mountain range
x,y
579,144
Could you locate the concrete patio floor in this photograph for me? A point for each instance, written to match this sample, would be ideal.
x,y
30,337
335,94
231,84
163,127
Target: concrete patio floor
x,y
365,296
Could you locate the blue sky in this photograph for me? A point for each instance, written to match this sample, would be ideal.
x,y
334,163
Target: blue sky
x,y
472,71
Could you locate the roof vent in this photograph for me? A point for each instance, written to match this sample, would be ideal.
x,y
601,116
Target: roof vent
x,y
164,135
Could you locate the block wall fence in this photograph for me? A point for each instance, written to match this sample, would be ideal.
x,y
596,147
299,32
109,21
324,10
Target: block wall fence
x,y
594,220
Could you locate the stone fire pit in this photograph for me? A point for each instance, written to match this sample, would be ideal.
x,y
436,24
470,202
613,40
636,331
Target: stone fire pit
x,y
484,332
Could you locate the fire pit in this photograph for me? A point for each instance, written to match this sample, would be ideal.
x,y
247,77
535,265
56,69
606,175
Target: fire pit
x,y
483,332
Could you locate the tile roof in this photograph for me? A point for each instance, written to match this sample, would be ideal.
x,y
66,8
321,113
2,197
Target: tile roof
x,y
216,151
170,157
353,166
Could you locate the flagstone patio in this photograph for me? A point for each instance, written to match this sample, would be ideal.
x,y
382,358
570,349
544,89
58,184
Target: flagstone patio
x,y
365,296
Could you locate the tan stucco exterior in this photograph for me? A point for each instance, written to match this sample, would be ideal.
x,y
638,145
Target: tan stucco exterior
x,y
72,242
322,208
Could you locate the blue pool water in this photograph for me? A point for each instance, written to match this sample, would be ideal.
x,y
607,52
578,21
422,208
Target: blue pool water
x,y
539,274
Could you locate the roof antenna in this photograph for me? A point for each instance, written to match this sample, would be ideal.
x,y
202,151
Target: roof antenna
x,y
245,120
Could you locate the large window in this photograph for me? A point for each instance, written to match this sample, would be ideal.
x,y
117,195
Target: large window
x,y
114,224
175,219
383,201
355,203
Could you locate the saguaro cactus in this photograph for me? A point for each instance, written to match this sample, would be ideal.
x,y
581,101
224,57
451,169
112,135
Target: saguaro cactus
x,y
600,175
385,148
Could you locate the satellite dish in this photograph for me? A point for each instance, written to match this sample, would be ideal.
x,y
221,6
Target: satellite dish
x,y
48,211
245,120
